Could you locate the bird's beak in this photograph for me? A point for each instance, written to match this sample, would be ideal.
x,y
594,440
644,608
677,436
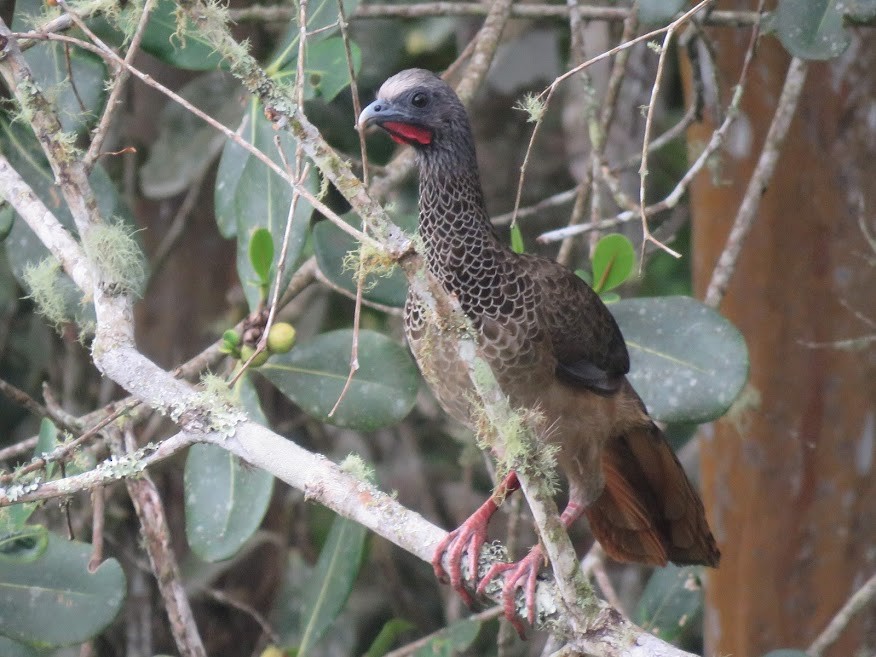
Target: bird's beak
x,y
376,112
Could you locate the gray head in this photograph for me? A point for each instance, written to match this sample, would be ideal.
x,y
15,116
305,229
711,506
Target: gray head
x,y
418,108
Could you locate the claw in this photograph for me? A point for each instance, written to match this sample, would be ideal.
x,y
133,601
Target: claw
x,y
519,575
469,538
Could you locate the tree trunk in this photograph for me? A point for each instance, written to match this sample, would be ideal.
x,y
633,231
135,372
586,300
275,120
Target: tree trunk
x,y
788,477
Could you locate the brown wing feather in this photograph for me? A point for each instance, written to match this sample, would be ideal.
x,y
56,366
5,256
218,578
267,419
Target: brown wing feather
x,y
649,512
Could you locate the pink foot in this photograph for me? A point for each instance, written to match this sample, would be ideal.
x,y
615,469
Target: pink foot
x,y
469,538
520,575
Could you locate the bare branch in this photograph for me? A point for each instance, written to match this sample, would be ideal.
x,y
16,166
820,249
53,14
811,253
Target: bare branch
x,y
763,172
860,600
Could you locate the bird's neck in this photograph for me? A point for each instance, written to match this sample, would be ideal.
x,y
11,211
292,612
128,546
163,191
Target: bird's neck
x,y
459,238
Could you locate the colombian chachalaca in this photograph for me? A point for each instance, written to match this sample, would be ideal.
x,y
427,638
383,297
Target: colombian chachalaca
x,y
555,350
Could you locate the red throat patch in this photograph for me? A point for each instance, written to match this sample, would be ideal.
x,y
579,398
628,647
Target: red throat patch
x,y
405,133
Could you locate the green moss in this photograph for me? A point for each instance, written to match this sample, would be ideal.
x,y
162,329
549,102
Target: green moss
x,y
112,248
354,465
43,281
534,107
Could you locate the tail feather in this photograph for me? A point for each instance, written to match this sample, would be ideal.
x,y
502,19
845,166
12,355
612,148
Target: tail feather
x,y
648,511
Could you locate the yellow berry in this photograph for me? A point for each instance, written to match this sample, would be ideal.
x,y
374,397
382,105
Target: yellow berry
x,y
281,338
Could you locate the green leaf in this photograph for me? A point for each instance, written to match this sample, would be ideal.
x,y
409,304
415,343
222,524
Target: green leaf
x,y
261,254
659,11
688,363
55,601
672,602
387,636
811,29
25,545
786,652
331,581
186,146
326,68
47,442
517,239
331,246
249,196
189,51
452,640
225,499
10,648
313,374
585,276
860,12
613,262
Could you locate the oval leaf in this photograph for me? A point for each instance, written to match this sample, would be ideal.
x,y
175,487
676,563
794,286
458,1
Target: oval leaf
x,y
313,374
672,602
55,601
331,581
261,253
811,29
331,246
613,262
225,499
688,363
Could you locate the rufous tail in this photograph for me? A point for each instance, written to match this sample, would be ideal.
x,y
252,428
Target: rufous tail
x,y
648,511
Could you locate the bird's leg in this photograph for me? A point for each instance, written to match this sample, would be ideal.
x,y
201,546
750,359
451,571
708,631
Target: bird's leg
x,y
523,573
470,537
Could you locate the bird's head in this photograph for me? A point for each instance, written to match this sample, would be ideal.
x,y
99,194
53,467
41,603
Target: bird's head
x,y
417,107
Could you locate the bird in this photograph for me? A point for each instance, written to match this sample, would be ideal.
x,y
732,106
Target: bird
x,y
554,349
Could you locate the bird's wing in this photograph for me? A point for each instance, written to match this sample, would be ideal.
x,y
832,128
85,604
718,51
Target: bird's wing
x,y
585,337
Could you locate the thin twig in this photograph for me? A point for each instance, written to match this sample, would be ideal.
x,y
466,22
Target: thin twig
x,y
547,93
413,646
18,396
325,280
19,448
156,539
172,235
249,610
757,185
643,167
63,451
97,523
99,134
674,197
860,600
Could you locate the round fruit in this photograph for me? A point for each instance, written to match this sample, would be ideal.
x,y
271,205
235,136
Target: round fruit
x,y
281,338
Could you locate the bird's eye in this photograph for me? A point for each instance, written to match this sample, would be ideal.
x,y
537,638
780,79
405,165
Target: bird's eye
x,y
419,99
